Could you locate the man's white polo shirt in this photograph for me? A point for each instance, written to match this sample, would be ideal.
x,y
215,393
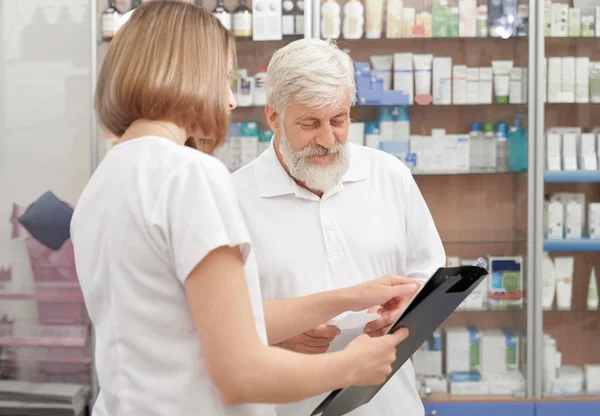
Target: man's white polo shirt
x,y
374,222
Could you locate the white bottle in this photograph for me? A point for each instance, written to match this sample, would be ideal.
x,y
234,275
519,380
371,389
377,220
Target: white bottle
x,y
260,93
592,295
354,20
331,20
489,148
476,148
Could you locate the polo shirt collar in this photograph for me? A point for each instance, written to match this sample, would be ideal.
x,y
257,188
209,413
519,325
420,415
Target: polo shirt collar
x,y
272,180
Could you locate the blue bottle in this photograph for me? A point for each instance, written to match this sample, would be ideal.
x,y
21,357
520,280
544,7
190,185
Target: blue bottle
x,y
517,147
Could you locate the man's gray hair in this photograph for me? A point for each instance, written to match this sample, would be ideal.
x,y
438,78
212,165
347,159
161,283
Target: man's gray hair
x,y
313,72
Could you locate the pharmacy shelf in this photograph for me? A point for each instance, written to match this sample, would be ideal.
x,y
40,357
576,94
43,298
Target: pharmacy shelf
x,y
584,244
45,358
574,176
71,336
43,297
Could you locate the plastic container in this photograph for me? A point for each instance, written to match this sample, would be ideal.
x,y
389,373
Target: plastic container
x,y
489,148
502,147
476,143
517,147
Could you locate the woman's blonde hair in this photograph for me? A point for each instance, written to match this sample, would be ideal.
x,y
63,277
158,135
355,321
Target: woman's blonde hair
x,y
169,62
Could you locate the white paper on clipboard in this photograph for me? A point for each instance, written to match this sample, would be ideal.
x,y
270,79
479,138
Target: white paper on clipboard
x,y
351,326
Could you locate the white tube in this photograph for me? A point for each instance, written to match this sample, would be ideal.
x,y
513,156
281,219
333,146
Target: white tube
x,y
502,80
564,282
422,65
548,282
383,64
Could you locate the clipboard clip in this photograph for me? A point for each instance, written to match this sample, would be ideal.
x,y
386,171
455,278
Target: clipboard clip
x,y
480,262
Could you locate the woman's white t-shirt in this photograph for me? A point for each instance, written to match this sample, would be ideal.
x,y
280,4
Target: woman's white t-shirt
x,y
149,214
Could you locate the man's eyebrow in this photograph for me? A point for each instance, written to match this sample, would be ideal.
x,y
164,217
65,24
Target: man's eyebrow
x,y
341,113
307,118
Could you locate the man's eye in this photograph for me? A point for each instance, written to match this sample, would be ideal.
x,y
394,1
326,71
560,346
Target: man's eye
x,y
337,122
309,125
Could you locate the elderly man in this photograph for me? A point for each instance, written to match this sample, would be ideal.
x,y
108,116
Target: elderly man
x,y
324,213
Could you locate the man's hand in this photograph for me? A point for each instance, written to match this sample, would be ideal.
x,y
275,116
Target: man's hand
x,y
315,341
389,311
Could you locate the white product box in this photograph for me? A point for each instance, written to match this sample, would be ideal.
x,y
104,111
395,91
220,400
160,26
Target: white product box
x,y
484,92
569,151
574,220
442,81
403,75
499,351
508,383
553,151
266,20
419,148
544,76
594,220
555,220
467,18
555,80
582,79
588,159
568,80
427,360
459,84
462,349
387,131
560,20
356,133
463,150
515,95
472,85
574,22
592,378
505,281
468,383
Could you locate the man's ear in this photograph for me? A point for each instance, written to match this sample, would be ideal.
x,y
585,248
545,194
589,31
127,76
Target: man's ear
x,y
272,118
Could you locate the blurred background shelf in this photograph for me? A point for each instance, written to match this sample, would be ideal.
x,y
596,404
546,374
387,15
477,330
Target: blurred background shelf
x,y
582,245
564,176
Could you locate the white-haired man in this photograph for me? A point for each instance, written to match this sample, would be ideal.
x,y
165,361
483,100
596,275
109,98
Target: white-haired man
x,y
325,214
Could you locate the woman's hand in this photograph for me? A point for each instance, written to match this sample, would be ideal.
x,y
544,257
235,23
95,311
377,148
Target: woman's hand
x,y
389,311
390,292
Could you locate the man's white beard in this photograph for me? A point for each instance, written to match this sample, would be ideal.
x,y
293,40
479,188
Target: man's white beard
x,y
315,177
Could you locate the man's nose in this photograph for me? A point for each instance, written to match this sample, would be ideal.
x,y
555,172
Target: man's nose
x,y
325,136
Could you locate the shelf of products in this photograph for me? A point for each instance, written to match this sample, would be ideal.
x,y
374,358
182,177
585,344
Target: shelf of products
x,y
571,225
443,86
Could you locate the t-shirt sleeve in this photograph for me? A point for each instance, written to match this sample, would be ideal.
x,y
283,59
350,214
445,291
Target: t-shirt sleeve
x,y
197,212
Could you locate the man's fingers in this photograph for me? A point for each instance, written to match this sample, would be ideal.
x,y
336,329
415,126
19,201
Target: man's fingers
x,y
379,324
315,342
323,331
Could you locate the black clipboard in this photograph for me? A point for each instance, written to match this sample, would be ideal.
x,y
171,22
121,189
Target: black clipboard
x,y
434,303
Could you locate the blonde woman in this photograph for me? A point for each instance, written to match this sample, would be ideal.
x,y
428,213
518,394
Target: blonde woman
x,y
163,255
